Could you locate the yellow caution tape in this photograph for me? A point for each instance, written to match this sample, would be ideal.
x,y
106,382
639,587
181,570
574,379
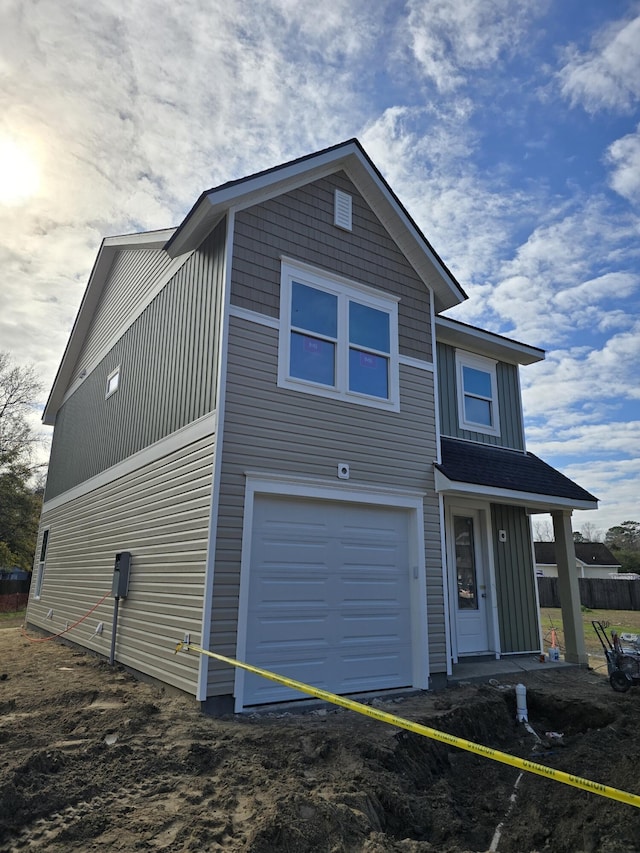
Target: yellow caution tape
x,y
427,731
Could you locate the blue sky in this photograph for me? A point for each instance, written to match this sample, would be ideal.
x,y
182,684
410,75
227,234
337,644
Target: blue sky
x,y
510,129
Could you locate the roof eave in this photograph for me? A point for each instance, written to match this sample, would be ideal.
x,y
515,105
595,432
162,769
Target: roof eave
x,y
536,503
491,344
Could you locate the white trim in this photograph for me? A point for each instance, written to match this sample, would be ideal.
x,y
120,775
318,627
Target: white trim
x,y
325,276
345,292
320,487
481,511
42,563
143,240
223,345
89,367
484,365
541,503
445,586
266,483
418,364
206,425
487,343
115,374
535,581
254,317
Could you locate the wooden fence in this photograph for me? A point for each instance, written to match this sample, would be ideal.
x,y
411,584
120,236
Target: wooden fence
x,y
595,593
13,595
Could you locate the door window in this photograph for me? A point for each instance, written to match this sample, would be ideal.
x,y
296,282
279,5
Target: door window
x,y
465,563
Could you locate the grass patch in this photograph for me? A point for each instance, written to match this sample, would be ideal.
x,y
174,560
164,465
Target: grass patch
x,y
622,621
15,617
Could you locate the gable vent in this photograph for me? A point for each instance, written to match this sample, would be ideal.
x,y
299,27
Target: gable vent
x,y
342,210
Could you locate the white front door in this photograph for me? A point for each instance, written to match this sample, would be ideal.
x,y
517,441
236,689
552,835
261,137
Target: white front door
x,y
469,588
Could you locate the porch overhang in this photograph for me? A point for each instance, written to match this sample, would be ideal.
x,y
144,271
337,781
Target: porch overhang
x,y
506,476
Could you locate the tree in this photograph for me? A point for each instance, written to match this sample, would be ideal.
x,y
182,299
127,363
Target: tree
x,y
20,508
20,503
19,388
590,532
543,531
623,537
623,540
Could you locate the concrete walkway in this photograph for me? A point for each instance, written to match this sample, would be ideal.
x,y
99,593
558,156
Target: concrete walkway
x,y
475,670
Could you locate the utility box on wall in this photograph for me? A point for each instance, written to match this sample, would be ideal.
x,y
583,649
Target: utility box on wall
x,y
121,570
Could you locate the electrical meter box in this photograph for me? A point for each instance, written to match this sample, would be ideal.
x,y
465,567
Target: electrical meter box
x,y
121,575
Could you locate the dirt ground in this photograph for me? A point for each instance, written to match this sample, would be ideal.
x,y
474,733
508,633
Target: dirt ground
x,y
92,759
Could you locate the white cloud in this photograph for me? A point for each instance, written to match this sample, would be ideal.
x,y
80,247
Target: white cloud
x,y
608,75
450,39
131,116
624,156
614,284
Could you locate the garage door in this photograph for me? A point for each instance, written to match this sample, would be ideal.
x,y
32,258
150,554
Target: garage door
x,y
328,597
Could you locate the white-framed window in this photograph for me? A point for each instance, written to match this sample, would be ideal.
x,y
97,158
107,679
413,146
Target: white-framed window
x,y
113,382
477,393
338,338
42,562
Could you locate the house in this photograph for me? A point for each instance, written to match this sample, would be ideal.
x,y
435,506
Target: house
x,y
307,465
593,560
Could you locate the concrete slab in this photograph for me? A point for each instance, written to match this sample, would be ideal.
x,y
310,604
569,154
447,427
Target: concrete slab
x,y
476,670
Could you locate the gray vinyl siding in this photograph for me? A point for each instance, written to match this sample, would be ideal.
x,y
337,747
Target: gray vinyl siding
x,y
168,368
515,580
133,275
281,431
299,224
509,403
160,513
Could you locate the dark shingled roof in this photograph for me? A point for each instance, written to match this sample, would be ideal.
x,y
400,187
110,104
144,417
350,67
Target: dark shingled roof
x,y
590,553
487,465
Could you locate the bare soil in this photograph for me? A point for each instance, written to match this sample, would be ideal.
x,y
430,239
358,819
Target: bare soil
x,y
92,759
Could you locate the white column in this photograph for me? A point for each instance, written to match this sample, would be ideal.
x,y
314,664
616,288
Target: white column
x,y
568,589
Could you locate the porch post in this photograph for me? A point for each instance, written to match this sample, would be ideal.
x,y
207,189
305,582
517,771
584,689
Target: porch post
x,y
569,589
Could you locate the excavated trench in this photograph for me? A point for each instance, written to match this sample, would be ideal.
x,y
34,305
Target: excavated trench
x,y
451,799
91,759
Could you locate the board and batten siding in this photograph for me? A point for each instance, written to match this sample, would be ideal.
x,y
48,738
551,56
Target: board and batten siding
x,y
270,429
515,580
132,277
161,514
299,224
509,403
168,369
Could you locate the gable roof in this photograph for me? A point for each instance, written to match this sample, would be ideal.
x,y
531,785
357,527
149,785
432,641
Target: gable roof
x,y
589,553
98,278
519,477
351,158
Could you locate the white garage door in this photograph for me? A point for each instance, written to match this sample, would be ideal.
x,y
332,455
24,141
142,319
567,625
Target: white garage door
x,y
328,597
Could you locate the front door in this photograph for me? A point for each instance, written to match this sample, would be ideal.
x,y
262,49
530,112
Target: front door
x,y
469,589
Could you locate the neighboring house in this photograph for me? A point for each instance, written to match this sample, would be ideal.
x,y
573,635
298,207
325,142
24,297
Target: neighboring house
x,y
312,469
593,560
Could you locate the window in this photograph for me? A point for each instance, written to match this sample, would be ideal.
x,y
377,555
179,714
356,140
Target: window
x,y
113,382
337,338
41,562
477,394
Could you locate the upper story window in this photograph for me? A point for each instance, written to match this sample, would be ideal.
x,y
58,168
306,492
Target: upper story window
x,y
477,393
113,382
337,338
